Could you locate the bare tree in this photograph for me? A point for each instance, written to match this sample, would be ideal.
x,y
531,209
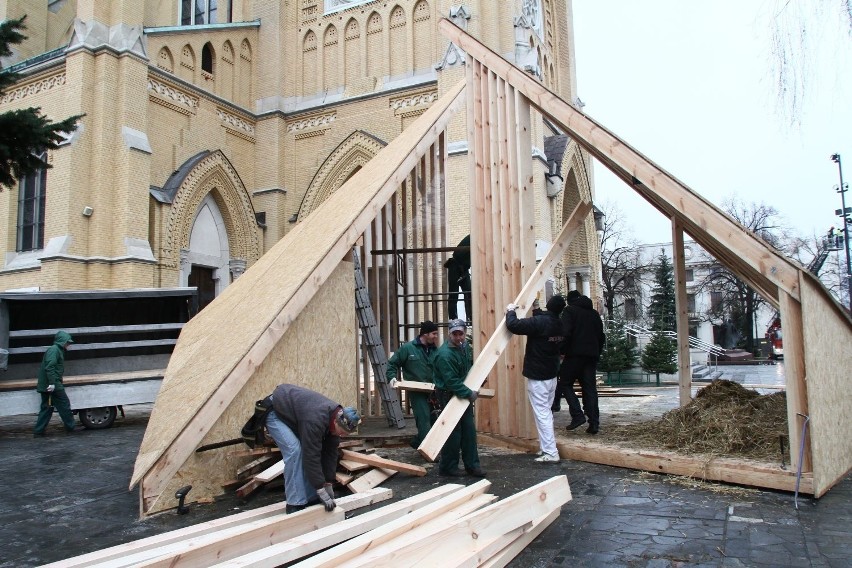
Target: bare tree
x,y
734,301
822,255
800,34
620,260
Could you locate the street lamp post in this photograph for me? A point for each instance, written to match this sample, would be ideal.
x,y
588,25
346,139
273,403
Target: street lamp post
x,y
844,214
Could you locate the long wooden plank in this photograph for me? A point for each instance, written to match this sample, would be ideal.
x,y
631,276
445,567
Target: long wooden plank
x,y
728,470
352,466
794,379
161,461
506,555
271,472
314,541
684,366
370,480
417,386
469,533
453,504
592,136
154,544
437,436
384,463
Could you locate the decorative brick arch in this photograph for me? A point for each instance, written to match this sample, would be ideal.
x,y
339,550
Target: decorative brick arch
x,y
349,156
212,175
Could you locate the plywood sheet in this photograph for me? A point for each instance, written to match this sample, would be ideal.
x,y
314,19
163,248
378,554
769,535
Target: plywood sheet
x,y
828,360
329,319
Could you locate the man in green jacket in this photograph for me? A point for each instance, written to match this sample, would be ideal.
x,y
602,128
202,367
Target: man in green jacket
x,y
50,385
452,363
415,360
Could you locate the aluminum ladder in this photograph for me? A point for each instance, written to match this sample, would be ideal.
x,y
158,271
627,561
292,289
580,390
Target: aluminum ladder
x,y
375,350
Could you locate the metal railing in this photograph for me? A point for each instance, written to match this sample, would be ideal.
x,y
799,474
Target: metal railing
x,y
713,351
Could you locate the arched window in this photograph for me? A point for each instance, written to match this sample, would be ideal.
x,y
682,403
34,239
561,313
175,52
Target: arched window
x,y
207,58
32,191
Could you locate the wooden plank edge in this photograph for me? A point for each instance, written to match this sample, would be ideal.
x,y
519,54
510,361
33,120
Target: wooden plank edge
x,y
727,470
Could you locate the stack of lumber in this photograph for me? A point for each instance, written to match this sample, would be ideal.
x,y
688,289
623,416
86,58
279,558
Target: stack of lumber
x,y
450,525
359,469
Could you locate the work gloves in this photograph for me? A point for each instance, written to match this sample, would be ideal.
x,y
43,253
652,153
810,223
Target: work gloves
x,y
392,383
51,388
472,396
326,495
511,307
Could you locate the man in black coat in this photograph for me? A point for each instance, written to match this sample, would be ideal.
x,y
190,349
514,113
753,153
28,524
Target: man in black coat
x,y
307,427
541,366
584,342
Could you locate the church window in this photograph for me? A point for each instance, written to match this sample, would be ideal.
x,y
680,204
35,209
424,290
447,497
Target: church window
x,y
207,58
200,12
31,200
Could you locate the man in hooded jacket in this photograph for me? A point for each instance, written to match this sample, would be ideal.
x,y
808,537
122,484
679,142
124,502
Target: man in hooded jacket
x,y
50,385
541,367
584,342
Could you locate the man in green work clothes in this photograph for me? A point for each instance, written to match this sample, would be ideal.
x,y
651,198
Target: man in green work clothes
x,y
50,385
415,360
452,363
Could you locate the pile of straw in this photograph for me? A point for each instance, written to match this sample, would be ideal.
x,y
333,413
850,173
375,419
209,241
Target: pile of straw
x,y
724,419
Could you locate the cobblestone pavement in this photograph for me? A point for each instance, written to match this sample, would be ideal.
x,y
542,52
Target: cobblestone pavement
x,y
65,495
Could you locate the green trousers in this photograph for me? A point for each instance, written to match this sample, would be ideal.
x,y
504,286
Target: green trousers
x,y
422,416
50,400
464,438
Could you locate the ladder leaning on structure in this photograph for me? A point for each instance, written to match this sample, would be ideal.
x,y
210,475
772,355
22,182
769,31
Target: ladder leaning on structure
x,y
375,350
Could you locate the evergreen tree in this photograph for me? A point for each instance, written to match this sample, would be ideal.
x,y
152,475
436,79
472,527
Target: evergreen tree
x,y
24,133
662,307
660,354
618,353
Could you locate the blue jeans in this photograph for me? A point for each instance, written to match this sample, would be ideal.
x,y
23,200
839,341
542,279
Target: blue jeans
x,y
296,488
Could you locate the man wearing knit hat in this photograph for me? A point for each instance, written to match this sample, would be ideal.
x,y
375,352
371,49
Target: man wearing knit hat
x,y
415,360
307,427
541,367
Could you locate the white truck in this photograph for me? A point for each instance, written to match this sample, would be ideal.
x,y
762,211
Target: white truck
x,y
122,343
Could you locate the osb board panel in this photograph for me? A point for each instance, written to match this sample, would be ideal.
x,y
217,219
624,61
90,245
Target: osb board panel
x,y
257,306
316,352
828,358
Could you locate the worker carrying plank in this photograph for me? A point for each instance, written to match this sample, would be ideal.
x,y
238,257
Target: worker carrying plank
x,y
415,360
307,427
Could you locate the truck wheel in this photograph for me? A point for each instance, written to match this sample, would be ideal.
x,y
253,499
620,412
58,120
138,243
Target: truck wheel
x,y
97,418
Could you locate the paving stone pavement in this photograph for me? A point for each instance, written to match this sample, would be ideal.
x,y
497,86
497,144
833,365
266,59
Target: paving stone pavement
x,y
65,495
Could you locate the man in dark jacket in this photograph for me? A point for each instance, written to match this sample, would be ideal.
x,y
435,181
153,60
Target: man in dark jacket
x,y
584,342
458,278
415,360
541,367
50,385
452,363
307,428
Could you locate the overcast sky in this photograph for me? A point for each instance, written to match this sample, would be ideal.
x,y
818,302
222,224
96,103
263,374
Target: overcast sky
x,y
689,84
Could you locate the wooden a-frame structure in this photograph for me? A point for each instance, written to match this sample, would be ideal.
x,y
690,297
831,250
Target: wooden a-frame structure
x,y
245,342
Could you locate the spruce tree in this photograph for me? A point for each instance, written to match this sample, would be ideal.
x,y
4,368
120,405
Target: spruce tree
x,y
660,354
662,307
618,354
24,133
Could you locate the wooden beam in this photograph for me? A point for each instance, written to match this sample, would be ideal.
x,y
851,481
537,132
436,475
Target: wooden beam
x,y
154,544
450,416
158,462
370,480
352,466
629,164
384,463
271,472
472,533
417,386
503,557
728,470
795,379
452,504
684,364
287,552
